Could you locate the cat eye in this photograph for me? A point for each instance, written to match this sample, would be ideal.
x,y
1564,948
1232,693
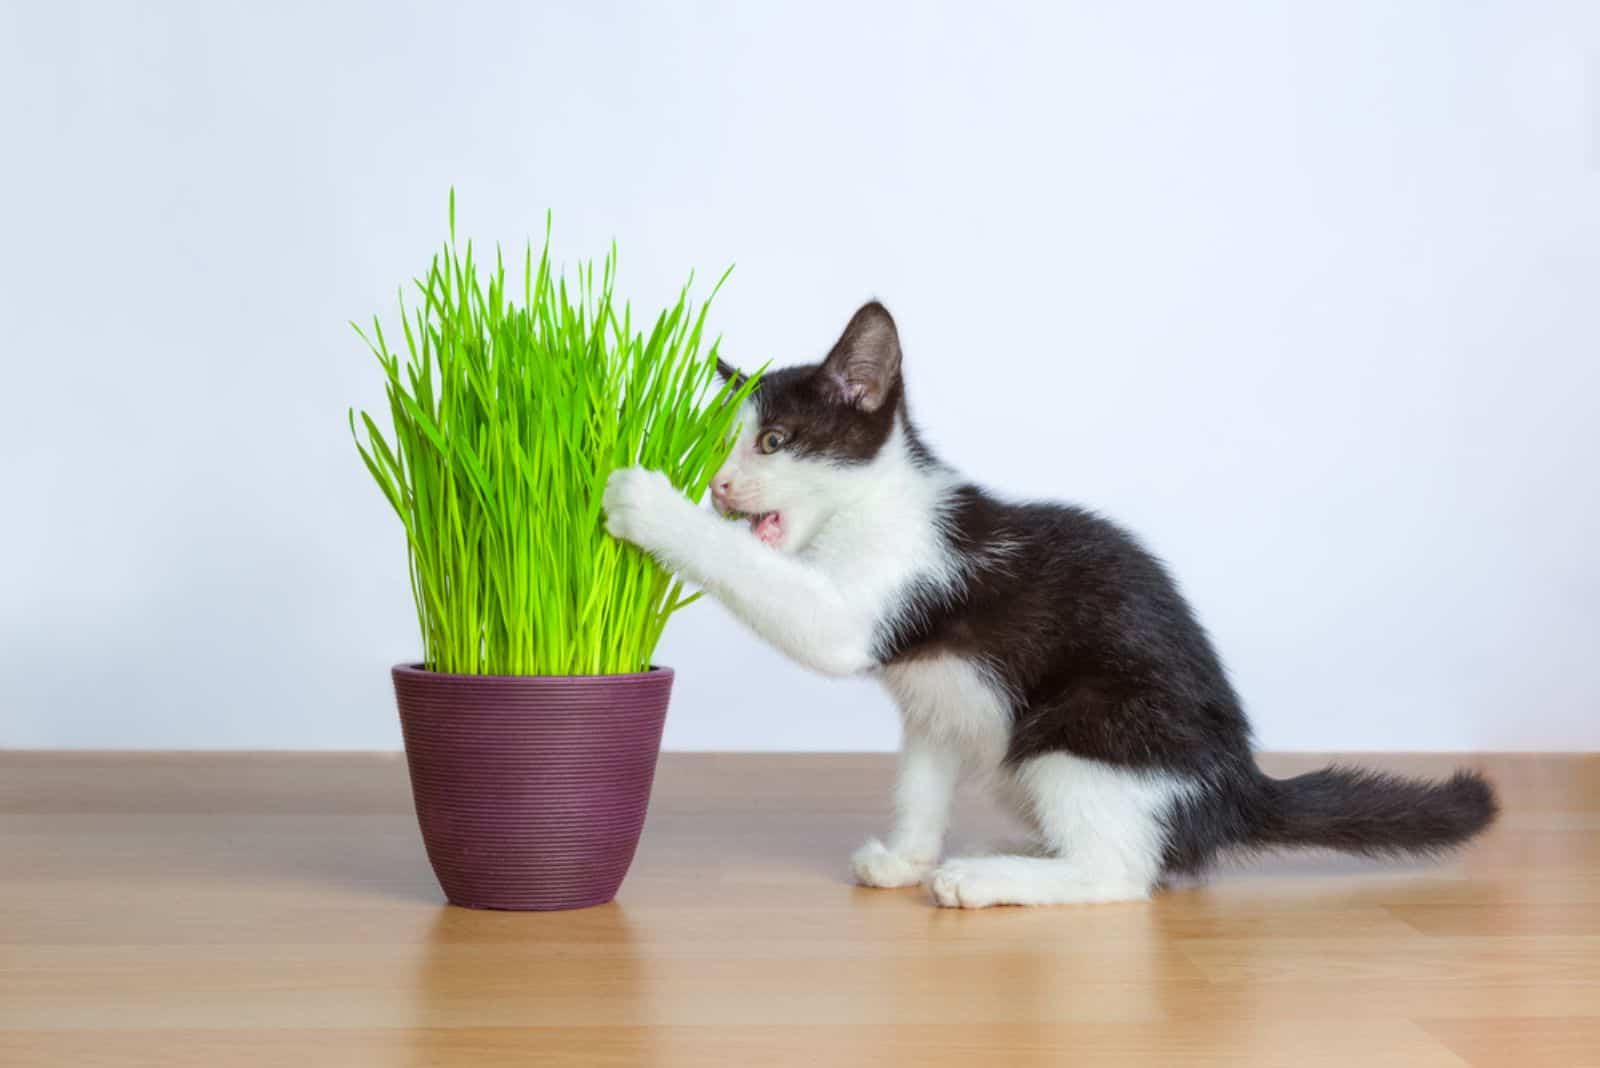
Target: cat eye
x,y
770,441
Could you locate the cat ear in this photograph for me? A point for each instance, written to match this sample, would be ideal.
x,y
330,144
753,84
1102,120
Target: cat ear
x,y
865,362
729,373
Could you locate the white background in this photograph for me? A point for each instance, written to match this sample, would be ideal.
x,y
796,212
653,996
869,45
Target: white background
x,y
1308,295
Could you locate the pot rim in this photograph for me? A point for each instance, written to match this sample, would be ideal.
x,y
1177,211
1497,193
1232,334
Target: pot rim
x,y
656,672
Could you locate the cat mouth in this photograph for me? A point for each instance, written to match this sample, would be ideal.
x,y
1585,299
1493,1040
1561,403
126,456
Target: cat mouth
x,y
766,526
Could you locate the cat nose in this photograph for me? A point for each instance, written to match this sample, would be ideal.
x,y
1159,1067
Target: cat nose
x,y
721,488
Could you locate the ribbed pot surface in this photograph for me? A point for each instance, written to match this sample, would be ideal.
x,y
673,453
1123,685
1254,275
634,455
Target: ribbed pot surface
x,y
531,790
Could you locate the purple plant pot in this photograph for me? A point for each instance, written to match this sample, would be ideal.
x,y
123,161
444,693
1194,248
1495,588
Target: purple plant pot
x,y
531,790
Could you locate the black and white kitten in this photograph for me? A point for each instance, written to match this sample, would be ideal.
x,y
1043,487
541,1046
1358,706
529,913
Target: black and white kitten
x,y
1037,646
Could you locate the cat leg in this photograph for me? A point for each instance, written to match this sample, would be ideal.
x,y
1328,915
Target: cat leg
x,y
1105,829
789,603
928,774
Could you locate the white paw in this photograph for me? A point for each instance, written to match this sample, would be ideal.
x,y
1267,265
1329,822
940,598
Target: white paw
x,y
979,882
957,885
875,864
638,502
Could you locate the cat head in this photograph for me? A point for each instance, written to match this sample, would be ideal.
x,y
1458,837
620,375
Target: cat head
x,y
812,437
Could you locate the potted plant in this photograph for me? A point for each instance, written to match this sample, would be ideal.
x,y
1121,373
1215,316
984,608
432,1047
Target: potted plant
x,y
533,723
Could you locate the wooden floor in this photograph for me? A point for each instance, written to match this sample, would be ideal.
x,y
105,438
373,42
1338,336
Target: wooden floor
x,y
277,910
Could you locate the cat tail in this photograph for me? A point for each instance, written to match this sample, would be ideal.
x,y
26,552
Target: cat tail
x,y
1356,810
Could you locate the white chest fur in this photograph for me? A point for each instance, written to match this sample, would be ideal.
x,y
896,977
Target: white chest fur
x,y
954,701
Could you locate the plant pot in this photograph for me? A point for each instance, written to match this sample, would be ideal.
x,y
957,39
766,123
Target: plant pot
x,y
531,790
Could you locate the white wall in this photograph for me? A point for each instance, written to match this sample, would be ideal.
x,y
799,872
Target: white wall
x,y
1309,295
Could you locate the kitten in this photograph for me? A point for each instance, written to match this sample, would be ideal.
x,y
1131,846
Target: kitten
x,y
1037,646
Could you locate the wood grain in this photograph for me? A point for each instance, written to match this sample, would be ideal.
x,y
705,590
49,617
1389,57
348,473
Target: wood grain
x,y
276,909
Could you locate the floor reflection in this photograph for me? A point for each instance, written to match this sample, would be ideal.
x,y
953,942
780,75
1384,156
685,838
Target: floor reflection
x,y
531,982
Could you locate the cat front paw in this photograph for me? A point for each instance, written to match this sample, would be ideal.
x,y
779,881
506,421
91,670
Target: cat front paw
x,y
875,864
639,504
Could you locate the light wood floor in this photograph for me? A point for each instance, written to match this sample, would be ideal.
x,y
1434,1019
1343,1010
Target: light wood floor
x,y
278,910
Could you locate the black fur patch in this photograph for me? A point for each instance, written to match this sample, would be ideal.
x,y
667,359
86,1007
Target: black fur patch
x,y
844,408
816,422
1085,630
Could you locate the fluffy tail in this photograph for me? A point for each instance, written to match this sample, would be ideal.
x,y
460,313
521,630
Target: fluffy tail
x,y
1373,812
